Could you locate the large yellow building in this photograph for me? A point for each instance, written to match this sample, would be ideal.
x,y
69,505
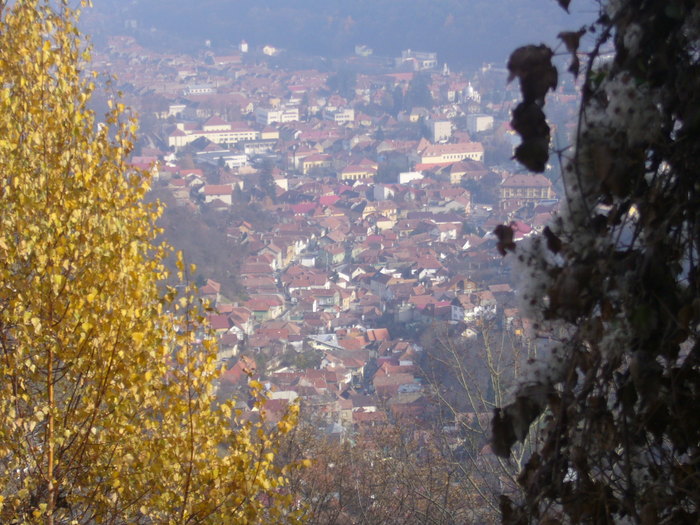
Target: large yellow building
x,y
215,129
517,190
447,153
358,172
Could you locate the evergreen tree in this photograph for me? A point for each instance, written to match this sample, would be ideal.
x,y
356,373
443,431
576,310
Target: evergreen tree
x,y
343,83
418,94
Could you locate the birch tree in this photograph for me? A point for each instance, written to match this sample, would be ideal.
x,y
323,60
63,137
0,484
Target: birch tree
x,y
106,376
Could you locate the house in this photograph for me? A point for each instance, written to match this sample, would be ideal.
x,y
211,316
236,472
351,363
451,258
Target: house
x,y
301,278
467,170
211,291
279,330
215,130
227,60
383,192
242,320
262,268
381,222
442,154
270,50
333,254
477,122
198,89
179,189
520,189
266,115
222,157
239,373
440,130
219,323
338,359
221,192
327,299
377,334
356,172
387,209
259,283
339,115
317,160
417,60
379,284
265,307
391,385
228,347
461,284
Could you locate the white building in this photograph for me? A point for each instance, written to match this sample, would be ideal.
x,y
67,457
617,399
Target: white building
x,y
363,50
447,153
267,116
440,130
220,192
215,129
383,192
229,158
479,122
473,94
339,115
407,176
201,89
175,110
420,60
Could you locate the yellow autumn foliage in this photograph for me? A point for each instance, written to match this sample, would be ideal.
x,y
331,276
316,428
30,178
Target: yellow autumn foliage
x,y
107,413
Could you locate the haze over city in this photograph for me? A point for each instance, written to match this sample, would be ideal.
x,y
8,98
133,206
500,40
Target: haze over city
x,y
370,262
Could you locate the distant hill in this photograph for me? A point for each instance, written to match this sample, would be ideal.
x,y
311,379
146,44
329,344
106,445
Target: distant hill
x,y
462,32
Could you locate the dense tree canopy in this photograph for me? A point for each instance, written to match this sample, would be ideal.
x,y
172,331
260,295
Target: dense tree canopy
x,y
614,279
106,383
418,94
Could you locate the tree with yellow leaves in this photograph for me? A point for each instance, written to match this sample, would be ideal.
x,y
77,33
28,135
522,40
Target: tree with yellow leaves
x,y
107,413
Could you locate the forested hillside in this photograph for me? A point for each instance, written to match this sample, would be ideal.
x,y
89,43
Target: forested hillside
x,y
461,32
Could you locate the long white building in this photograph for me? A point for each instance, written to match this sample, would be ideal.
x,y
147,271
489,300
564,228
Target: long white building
x,y
215,129
267,116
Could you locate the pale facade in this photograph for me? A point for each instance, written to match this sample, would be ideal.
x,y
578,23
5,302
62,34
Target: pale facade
x,y
218,133
407,176
340,115
420,60
355,173
520,189
446,153
440,130
479,122
203,89
220,192
267,116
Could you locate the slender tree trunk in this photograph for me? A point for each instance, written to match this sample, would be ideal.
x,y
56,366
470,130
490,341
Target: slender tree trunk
x,y
51,497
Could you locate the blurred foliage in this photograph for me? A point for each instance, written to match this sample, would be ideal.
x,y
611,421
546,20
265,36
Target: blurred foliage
x,y
615,279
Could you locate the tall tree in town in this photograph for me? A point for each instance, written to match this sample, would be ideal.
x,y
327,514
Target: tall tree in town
x,y
468,377
614,277
106,378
